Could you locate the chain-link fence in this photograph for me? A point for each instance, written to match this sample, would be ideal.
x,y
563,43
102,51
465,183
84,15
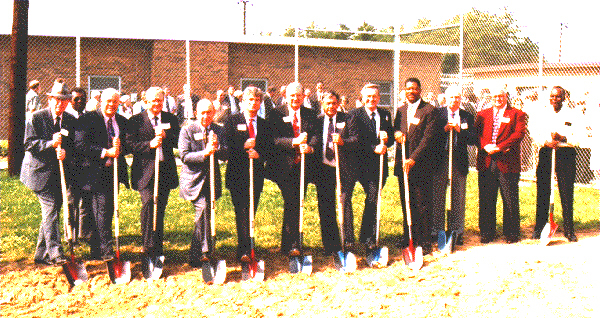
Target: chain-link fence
x,y
478,51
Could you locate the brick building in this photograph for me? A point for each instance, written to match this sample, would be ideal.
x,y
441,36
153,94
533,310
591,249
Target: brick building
x,y
136,64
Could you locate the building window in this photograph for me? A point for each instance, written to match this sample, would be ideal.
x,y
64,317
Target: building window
x,y
256,82
100,83
386,92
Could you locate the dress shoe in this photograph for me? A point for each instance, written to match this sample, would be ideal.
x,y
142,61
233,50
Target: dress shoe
x,y
427,249
245,258
487,239
536,235
512,239
42,262
294,252
108,257
59,260
459,239
571,237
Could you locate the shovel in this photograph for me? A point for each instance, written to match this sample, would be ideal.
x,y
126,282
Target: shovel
x,y
213,272
551,226
301,263
154,267
379,256
74,270
446,239
346,261
254,270
413,257
118,271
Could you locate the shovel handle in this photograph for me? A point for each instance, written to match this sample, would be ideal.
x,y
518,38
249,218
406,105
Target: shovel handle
x,y
116,198
406,193
156,175
338,193
302,166
65,202
379,189
212,195
251,188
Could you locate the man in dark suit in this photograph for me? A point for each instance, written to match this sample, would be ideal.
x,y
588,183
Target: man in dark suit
x,y
418,126
231,101
247,136
48,139
328,127
148,132
555,132
460,122
368,130
99,140
293,126
197,142
500,130
311,102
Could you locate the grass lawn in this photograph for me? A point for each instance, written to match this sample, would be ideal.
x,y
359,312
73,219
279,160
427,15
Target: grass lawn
x,y
20,218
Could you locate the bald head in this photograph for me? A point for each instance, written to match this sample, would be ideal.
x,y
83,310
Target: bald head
x,y
295,95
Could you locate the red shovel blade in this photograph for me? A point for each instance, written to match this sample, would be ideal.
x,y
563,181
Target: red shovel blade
x,y
413,257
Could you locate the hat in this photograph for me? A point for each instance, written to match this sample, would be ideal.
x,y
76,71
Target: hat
x,y
60,90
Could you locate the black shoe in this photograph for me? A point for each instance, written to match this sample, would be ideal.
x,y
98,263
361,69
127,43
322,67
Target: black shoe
x,y
59,260
294,252
42,262
427,249
487,239
108,257
459,239
536,235
571,237
511,239
245,258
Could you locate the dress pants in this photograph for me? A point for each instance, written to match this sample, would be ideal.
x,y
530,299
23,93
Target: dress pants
x,y
456,215
240,196
201,237
565,173
489,182
290,190
420,191
102,206
326,184
152,241
80,212
48,243
369,222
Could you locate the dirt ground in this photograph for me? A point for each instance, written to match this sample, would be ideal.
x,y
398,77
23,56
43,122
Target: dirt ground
x,y
493,280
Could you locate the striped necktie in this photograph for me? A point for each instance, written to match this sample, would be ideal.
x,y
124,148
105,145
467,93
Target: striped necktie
x,y
496,126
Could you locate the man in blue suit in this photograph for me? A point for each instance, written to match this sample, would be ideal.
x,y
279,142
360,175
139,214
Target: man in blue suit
x,y
48,139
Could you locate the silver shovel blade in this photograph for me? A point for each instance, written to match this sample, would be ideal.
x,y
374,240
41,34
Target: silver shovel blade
x,y
75,273
546,236
345,262
378,257
258,275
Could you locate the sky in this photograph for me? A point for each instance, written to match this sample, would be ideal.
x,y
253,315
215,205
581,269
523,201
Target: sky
x,y
178,19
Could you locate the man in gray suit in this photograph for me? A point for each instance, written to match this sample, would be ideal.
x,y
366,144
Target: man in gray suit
x,y
48,139
197,142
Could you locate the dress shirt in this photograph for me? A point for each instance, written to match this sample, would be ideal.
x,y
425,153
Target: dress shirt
x,y
154,124
115,129
550,121
325,135
377,119
412,109
454,119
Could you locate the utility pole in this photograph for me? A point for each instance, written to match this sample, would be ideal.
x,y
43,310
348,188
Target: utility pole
x,y
244,2
17,86
562,27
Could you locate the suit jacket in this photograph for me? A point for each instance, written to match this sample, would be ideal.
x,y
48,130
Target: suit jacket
x,y
315,105
283,156
512,130
40,166
181,107
424,138
195,172
360,141
90,139
138,135
317,142
233,109
466,136
238,165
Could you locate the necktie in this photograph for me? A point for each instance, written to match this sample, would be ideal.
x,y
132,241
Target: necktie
x,y
251,131
295,126
155,121
167,104
496,127
329,154
111,131
373,122
57,125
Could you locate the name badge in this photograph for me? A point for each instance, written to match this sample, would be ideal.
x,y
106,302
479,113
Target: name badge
x,y
415,121
64,132
464,126
505,120
165,126
340,125
199,136
241,127
288,119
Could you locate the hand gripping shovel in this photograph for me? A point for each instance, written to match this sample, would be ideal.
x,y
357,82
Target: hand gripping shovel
x,y
446,239
255,269
118,271
551,226
154,267
379,256
346,261
301,263
213,272
413,257
74,270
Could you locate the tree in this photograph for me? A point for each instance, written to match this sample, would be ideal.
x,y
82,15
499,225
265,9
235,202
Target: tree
x,y
365,36
18,86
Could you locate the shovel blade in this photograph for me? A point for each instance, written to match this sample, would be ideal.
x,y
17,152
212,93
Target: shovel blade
x,y
119,271
208,272
300,264
449,242
294,265
221,272
441,240
214,273
378,258
547,233
413,257
153,268
345,262
254,271
75,272
307,265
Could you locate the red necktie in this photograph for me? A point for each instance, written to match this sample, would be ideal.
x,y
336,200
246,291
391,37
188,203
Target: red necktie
x,y
251,131
295,125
